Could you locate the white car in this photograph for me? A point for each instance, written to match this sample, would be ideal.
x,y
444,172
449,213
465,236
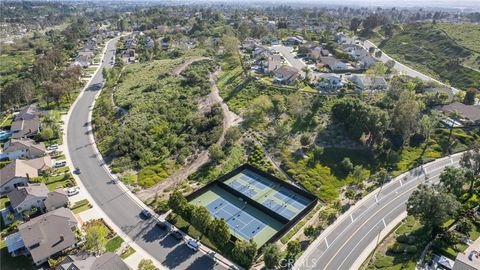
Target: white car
x,y
72,191
59,163
193,244
52,147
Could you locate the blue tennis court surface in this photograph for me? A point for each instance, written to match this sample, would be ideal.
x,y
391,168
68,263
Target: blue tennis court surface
x,y
292,199
240,222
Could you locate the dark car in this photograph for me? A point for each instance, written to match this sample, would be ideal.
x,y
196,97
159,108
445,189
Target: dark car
x,y
146,213
76,171
161,225
178,235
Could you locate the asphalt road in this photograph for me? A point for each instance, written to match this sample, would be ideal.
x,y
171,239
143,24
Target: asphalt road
x,y
286,52
120,207
343,245
403,68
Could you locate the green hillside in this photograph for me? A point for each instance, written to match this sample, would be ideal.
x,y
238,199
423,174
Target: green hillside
x,y
432,51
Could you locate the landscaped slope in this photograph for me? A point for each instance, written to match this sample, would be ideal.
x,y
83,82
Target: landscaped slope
x,y
428,49
154,124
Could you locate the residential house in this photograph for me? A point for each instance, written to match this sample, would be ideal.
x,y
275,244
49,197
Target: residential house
x,y
56,199
286,75
46,236
26,123
107,261
369,82
469,114
329,82
316,52
15,174
333,63
23,148
148,42
27,197
128,56
366,62
274,62
83,61
290,41
260,51
470,258
129,43
19,172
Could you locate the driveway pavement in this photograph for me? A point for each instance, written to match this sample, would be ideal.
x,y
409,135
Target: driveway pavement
x,y
348,242
119,206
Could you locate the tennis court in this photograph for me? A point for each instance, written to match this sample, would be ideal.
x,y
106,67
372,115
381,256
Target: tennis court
x,y
245,221
270,194
238,199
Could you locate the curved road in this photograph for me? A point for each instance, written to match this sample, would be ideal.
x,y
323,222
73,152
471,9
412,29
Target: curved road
x,y
348,242
119,206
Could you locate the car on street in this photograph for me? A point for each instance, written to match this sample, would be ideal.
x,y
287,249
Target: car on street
x,y
72,191
146,213
193,244
176,234
162,225
59,163
77,171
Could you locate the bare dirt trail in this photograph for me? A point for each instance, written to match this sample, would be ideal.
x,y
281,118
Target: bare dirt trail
x,y
178,69
229,119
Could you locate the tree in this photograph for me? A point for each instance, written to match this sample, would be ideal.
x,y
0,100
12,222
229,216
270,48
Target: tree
x,y
201,219
177,202
305,140
347,165
244,252
216,153
96,237
371,50
378,54
465,226
426,126
311,232
431,207
471,161
354,24
453,180
317,153
146,264
293,249
271,255
390,64
219,233
469,98
47,134
232,135
405,114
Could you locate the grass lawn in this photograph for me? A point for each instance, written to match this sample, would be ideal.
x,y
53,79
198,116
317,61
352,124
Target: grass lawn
x,y
410,236
59,181
8,262
81,208
6,121
4,201
127,253
114,244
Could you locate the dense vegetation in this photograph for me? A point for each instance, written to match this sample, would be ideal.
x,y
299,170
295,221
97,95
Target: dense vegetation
x,y
426,47
157,124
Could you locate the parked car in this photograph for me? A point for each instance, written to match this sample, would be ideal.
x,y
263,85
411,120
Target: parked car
x,y
52,147
176,234
146,213
77,171
161,225
193,244
59,163
72,191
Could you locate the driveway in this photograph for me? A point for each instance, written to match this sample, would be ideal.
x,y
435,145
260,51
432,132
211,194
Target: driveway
x,y
117,205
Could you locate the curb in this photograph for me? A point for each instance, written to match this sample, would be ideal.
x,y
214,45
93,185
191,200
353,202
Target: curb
x,y
360,203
